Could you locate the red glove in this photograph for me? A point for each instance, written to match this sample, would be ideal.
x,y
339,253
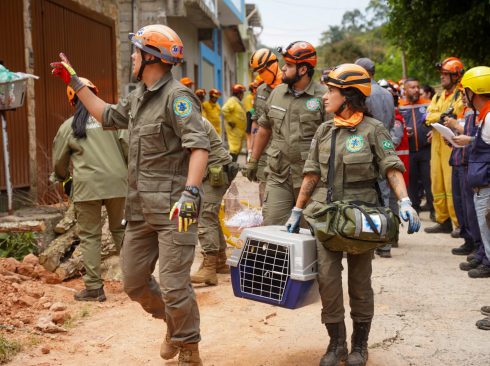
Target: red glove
x,y
64,70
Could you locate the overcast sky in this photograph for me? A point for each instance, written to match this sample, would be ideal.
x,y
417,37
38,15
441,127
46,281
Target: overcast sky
x,y
285,21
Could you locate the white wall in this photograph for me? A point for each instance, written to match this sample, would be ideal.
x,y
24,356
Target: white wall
x,y
188,34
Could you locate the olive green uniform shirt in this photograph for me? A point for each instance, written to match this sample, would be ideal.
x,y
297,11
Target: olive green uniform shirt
x,y
263,93
99,161
164,123
294,121
362,155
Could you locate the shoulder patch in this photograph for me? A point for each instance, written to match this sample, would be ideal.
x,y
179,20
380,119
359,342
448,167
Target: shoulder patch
x,y
355,143
387,145
182,106
313,104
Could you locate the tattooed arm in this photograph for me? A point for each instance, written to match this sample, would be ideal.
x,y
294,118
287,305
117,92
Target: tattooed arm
x,y
307,187
395,178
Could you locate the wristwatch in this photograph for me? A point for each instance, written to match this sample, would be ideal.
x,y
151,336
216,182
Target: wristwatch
x,y
192,190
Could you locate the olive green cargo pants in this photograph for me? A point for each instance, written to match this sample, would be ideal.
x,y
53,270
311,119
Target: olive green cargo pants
x,y
90,225
279,200
361,296
173,300
211,235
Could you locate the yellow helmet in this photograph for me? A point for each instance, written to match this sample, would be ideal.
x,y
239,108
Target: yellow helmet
x,y
349,76
477,80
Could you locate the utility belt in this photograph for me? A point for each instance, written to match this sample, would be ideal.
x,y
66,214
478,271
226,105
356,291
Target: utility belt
x,y
221,175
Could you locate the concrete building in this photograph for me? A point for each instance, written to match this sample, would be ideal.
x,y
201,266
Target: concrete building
x,y
94,35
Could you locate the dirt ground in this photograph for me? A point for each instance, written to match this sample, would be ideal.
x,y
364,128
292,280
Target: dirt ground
x,y
425,314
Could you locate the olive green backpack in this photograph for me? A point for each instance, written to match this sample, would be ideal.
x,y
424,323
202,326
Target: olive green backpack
x,y
354,227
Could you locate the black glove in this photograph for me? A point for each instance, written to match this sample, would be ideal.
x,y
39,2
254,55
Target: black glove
x,y
67,184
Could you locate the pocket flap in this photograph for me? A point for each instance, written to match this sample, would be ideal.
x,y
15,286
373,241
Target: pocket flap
x,y
155,185
357,158
309,117
150,129
184,238
276,113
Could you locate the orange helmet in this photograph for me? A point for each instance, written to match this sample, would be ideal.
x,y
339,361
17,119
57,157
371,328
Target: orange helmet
x,y
265,62
238,88
349,76
451,65
299,52
187,82
200,92
258,81
70,93
214,93
159,41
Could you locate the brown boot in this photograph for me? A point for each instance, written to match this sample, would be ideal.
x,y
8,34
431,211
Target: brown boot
x,y
167,349
207,273
189,355
221,266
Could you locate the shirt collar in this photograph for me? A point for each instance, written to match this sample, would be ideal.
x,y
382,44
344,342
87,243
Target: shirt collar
x,y
310,90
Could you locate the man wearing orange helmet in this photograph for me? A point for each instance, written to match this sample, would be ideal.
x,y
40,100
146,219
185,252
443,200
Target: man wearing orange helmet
x,y
201,94
235,120
266,64
291,116
346,157
187,82
212,111
449,102
168,154
99,160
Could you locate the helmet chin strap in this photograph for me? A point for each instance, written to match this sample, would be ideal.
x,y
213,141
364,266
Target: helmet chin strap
x,y
341,108
145,62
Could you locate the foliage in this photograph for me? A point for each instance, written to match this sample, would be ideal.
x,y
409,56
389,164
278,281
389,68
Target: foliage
x,y
8,349
430,30
17,245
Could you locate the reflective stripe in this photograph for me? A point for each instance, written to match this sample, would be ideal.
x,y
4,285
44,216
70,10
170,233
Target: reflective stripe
x,y
278,108
402,152
413,106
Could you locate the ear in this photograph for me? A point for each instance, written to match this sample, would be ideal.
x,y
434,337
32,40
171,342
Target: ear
x,y
302,70
149,57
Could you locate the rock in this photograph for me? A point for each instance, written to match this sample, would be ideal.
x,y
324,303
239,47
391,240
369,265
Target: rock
x,y
26,269
12,278
45,349
34,292
45,324
59,317
10,264
43,300
27,300
48,277
47,305
58,306
31,259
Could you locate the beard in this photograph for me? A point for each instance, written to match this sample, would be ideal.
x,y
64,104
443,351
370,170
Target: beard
x,y
290,81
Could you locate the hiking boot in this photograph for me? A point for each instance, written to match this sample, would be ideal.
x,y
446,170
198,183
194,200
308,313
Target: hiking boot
x,y
465,249
91,295
189,355
482,271
359,350
485,310
337,348
471,256
383,253
167,349
483,324
456,233
207,273
466,266
446,228
221,266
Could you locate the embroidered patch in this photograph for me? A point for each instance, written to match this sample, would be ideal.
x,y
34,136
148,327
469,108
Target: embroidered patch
x,y
354,143
313,143
387,145
422,109
312,104
174,50
182,106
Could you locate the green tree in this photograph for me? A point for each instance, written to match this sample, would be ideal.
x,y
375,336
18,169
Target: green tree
x,y
430,30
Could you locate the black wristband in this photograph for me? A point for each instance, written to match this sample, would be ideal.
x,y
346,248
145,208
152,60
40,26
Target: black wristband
x,y
192,190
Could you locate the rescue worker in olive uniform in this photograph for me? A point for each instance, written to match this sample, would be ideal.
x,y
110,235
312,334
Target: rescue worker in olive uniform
x,y
291,117
220,173
168,152
235,120
100,179
363,152
212,111
451,70
266,64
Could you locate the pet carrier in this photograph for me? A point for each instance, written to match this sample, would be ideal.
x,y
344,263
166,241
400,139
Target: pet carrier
x,y
274,266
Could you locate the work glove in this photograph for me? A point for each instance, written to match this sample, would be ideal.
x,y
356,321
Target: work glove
x,y
251,169
67,184
186,209
232,125
293,222
408,213
65,71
